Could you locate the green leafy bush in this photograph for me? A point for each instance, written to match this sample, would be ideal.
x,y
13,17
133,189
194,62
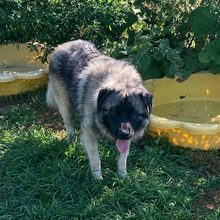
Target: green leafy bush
x,y
51,22
172,37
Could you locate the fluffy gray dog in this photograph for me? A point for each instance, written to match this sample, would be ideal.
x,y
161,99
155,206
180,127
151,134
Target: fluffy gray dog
x,y
108,96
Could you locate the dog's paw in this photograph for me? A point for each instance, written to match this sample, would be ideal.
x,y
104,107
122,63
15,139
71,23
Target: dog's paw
x,y
97,174
122,174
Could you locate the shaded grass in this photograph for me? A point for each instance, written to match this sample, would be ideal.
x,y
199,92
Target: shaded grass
x,y
44,177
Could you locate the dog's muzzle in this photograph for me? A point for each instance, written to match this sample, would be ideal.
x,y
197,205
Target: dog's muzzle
x,y
125,131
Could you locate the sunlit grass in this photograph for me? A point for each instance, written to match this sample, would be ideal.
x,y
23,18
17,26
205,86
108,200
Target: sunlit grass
x,y
44,177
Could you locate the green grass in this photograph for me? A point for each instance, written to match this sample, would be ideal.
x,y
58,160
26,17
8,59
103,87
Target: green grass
x,y
44,177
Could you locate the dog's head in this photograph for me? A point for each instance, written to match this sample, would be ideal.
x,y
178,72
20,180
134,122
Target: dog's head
x,y
123,117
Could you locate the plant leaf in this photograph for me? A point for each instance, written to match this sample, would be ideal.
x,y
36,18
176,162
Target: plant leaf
x,y
203,57
203,21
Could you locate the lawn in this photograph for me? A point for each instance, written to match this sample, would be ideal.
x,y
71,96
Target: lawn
x,y
44,177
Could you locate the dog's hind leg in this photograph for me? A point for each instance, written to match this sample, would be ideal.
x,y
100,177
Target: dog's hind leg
x,y
57,98
67,114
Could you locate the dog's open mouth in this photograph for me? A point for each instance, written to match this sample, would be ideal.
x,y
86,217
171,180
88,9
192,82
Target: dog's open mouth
x,y
123,145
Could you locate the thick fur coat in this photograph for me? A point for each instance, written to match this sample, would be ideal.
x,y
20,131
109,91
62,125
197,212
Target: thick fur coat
x,y
108,96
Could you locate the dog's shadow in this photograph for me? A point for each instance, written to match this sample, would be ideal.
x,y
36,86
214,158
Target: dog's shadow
x,y
41,169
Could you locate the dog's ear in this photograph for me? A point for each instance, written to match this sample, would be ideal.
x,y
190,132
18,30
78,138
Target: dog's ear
x,y
147,99
103,94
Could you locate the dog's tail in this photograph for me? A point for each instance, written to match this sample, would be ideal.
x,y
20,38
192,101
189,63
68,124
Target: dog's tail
x,y
50,99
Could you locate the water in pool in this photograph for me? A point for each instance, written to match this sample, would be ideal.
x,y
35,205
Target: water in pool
x,y
16,69
200,111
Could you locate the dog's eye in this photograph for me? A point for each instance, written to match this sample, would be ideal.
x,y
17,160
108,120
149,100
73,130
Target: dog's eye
x,y
114,110
132,111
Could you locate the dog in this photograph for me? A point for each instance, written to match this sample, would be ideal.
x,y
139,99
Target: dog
x,y
107,95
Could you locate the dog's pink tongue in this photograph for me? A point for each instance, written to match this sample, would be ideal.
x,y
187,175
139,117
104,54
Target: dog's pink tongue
x,y
123,145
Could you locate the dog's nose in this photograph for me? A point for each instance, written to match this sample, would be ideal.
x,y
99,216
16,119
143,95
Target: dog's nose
x,y
124,133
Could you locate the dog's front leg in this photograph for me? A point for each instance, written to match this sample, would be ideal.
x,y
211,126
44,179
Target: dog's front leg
x,y
122,165
90,144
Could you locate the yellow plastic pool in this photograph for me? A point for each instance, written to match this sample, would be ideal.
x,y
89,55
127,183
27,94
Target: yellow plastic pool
x,y
19,70
188,113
